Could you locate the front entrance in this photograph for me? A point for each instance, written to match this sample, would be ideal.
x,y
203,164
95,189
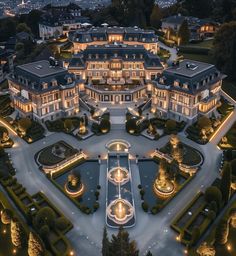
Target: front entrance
x,y
117,99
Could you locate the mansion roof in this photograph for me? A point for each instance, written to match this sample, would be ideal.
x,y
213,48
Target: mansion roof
x,y
116,52
102,33
189,76
42,76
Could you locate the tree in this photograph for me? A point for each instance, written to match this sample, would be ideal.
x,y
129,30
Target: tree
x,y
121,244
204,123
233,167
18,235
149,254
105,243
198,8
35,245
6,216
170,125
105,125
222,232
22,27
213,194
226,179
156,17
224,50
131,125
24,124
61,223
184,33
68,125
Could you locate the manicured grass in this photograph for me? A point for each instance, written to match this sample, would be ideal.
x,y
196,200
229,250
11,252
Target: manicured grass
x,y
203,44
47,157
231,138
199,57
221,250
191,156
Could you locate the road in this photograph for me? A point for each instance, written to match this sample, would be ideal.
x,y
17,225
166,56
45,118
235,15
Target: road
x,y
151,232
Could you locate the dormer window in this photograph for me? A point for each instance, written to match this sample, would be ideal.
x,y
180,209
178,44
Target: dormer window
x,y
90,56
126,56
176,83
54,82
141,56
162,81
44,85
69,80
97,56
134,56
185,86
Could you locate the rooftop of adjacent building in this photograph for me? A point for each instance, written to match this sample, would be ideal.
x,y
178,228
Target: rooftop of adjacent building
x,y
41,68
189,68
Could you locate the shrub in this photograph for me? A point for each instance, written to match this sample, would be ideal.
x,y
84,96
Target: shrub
x,y
131,126
222,232
95,206
204,123
139,186
61,223
195,235
154,210
44,232
213,194
18,235
142,193
68,125
6,216
45,216
170,126
97,193
24,124
105,125
35,245
145,206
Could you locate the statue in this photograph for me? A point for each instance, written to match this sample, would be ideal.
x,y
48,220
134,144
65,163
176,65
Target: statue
x,y
151,129
82,127
232,217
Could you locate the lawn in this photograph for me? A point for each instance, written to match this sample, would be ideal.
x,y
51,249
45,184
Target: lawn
x,y
207,58
231,138
191,156
47,157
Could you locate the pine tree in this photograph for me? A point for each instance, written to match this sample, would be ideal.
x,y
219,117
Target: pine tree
x,y
105,243
35,245
156,17
18,236
226,183
149,253
184,33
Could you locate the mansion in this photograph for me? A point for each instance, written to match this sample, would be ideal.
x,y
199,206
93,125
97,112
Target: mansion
x,y
83,38
116,73
44,91
186,90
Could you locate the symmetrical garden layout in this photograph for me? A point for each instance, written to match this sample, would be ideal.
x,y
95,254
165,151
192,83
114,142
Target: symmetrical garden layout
x,y
122,179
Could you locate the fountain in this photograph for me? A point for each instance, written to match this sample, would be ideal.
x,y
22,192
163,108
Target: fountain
x,y
74,186
118,145
163,186
118,175
120,211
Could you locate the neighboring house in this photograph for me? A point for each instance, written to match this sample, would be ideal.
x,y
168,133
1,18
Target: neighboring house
x,y
83,38
6,63
60,20
199,28
187,90
116,73
44,91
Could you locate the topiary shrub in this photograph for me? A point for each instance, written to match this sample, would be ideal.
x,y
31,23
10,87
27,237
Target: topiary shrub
x,y
45,216
213,194
145,206
6,216
95,206
222,232
35,245
18,235
61,223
